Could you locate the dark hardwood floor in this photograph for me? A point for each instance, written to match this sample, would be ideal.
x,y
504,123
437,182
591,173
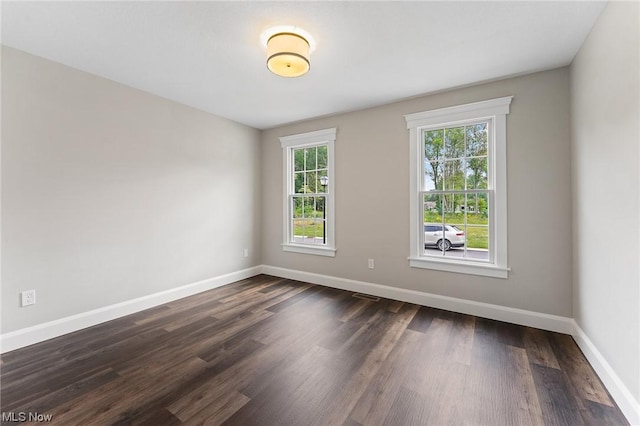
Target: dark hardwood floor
x,y
271,351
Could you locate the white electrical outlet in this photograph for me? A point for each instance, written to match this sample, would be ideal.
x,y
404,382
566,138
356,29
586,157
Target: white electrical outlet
x,y
246,252
28,297
370,263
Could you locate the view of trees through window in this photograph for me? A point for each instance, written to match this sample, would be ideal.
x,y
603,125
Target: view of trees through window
x,y
456,192
310,178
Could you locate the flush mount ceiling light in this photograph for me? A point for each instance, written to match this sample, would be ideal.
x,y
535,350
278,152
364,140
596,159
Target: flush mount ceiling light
x,y
288,50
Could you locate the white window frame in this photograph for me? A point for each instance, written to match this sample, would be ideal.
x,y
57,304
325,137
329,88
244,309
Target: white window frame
x,y
302,140
494,111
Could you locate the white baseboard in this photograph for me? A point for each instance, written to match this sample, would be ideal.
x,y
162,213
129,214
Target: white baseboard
x,y
484,310
619,392
38,333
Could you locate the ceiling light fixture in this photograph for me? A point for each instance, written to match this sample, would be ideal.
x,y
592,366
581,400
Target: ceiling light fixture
x,y
288,50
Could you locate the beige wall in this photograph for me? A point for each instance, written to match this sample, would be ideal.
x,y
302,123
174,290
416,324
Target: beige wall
x,y
605,101
372,197
110,193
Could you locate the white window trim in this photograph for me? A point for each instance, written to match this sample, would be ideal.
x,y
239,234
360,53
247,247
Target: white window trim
x,y
495,110
288,143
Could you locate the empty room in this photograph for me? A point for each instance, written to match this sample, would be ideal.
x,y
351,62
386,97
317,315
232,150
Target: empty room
x,y
320,213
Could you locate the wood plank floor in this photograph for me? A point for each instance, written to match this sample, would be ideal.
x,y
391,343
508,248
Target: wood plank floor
x,y
271,351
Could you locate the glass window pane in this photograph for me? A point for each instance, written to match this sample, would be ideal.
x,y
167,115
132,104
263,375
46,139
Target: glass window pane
x,y
311,158
298,220
454,142
298,182
477,242
476,173
322,157
477,209
298,159
476,140
453,175
477,237
433,175
298,230
298,207
455,217
320,206
312,183
323,173
431,208
446,203
434,144
433,229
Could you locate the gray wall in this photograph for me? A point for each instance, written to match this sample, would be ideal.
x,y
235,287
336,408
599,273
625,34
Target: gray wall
x,y
372,197
606,184
110,193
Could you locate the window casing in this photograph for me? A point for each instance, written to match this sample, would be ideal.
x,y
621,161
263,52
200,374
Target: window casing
x,y
458,207
309,182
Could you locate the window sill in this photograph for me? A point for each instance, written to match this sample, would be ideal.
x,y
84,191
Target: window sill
x,y
307,249
471,268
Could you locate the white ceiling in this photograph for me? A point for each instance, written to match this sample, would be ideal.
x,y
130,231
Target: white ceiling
x,y
208,54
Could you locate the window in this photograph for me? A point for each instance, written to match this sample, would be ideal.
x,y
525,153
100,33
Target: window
x,y
309,184
458,188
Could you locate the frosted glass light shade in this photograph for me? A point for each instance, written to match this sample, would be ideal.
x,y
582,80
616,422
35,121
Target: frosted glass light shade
x,y
288,55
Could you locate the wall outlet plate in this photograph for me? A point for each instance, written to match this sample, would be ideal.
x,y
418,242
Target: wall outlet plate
x,y
28,297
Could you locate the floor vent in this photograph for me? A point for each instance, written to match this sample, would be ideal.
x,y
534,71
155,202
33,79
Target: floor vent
x,y
366,297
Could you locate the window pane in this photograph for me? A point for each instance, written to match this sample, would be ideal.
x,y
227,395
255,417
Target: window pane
x,y
299,207
322,173
298,222
311,158
431,208
433,229
312,182
453,175
434,156
478,242
299,219
476,173
456,217
298,159
322,157
454,142
298,182
476,140
433,175
477,209
434,144
450,202
477,237
312,223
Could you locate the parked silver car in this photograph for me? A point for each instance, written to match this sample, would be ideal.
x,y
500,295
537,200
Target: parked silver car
x,y
443,239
